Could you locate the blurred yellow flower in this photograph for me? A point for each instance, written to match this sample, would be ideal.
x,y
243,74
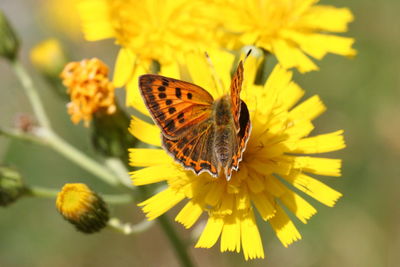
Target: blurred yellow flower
x,y
275,164
89,88
290,29
62,16
163,31
48,57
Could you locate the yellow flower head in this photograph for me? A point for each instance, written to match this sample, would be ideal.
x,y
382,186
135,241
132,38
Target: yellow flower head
x,y
82,207
290,29
275,163
164,31
89,88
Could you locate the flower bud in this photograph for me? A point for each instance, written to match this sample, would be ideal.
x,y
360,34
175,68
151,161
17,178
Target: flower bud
x,y
11,186
9,43
89,88
82,207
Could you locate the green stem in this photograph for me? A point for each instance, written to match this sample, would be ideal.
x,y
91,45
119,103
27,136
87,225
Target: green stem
x,y
15,134
32,93
176,242
169,231
76,156
43,192
129,229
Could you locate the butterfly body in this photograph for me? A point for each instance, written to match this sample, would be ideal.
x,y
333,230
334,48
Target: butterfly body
x,y
202,134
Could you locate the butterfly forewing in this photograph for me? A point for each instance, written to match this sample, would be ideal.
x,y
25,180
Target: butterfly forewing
x,y
175,105
236,87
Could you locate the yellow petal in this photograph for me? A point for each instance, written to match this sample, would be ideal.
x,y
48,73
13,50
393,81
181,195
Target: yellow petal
x,y
230,238
124,67
320,166
301,208
189,214
133,96
143,157
161,203
155,174
290,56
251,240
318,45
170,70
145,132
309,109
284,228
320,144
215,191
326,18
290,94
314,188
96,21
211,232
264,204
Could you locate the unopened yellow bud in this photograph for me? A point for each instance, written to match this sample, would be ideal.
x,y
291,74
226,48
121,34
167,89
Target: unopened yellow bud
x,y
82,207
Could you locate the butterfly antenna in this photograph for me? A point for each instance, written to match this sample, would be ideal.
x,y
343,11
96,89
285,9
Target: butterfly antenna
x,y
247,55
217,81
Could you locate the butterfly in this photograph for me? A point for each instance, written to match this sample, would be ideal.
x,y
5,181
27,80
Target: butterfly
x,y
200,133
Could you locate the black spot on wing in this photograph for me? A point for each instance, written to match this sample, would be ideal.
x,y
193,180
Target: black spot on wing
x,y
178,92
171,110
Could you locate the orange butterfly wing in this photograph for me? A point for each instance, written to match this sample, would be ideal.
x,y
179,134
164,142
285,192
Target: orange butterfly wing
x,y
241,118
235,88
175,105
183,112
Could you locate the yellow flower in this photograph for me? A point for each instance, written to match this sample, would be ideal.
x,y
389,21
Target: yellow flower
x,y
290,29
89,89
61,15
82,207
148,31
275,164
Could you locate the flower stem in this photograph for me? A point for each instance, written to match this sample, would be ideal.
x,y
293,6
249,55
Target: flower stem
x,y
76,156
44,192
32,93
178,244
129,229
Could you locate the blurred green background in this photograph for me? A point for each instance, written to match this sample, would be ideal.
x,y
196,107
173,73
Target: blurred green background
x,y
362,95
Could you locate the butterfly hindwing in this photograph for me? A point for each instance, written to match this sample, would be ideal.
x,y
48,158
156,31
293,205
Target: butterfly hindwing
x,y
242,136
194,149
175,105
